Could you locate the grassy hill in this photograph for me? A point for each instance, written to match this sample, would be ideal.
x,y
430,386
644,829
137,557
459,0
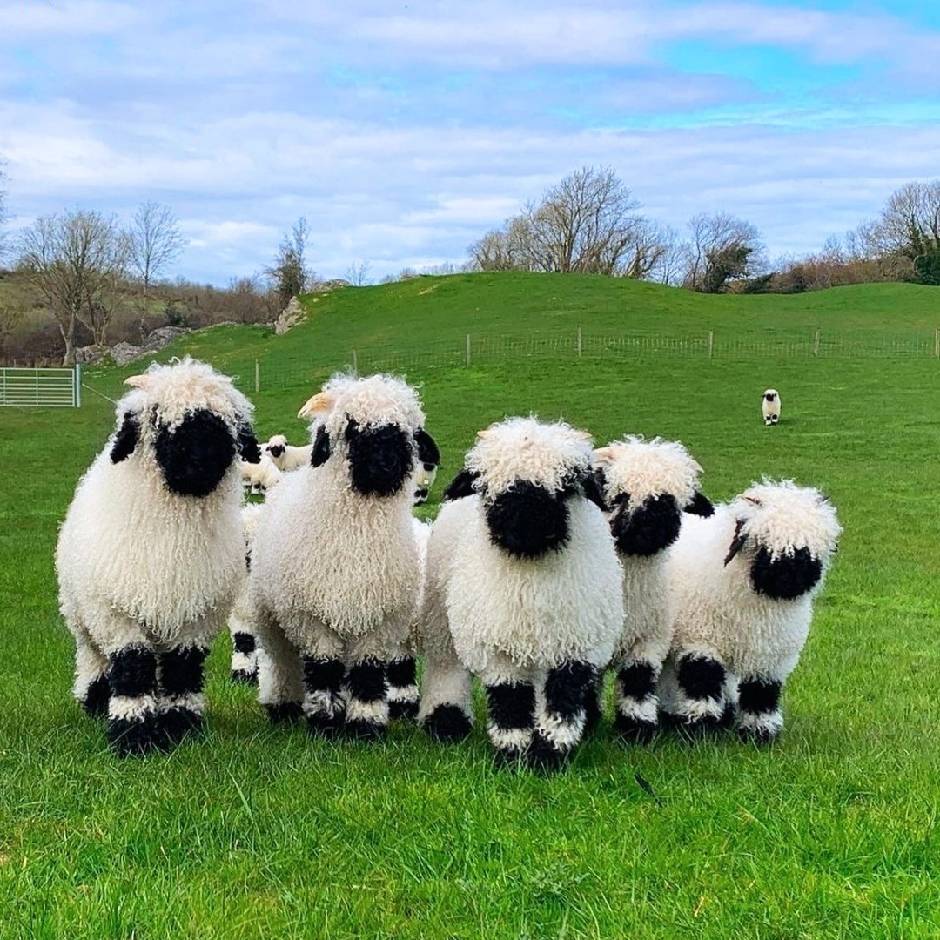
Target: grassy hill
x,y
254,832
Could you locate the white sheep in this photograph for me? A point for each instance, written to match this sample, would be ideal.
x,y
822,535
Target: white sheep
x,y
261,476
770,406
241,625
151,552
647,488
523,589
743,583
335,572
284,456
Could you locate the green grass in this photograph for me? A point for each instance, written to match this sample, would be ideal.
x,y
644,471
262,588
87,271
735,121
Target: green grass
x,y
259,833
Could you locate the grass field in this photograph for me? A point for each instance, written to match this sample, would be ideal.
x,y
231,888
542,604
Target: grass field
x,y
254,832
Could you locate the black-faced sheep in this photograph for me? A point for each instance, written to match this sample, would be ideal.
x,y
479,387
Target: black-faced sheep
x,y
523,590
743,584
151,552
259,477
284,456
647,486
770,406
335,571
241,621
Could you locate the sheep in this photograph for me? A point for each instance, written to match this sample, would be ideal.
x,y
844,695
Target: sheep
x,y
284,456
647,487
151,553
429,459
770,406
335,572
743,584
523,590
244,667
261,476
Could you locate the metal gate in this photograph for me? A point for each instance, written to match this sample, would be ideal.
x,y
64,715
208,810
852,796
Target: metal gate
x,y
41,388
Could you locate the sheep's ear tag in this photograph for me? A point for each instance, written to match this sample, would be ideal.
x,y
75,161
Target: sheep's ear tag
x,y
137,381
317,404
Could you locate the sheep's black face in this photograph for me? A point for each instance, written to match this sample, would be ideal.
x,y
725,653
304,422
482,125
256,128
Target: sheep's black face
x,y
770,396
195,455
380,458
649,529
527,520
786,577
275,450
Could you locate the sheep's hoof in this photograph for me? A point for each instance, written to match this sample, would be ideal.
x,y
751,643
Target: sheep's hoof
x,y
592,714
360,729
508,758
97,697
134,737
321,725
284,713
448,724
726,722
244,677
694,729
542,756
633,730
402,711
759,736
176,723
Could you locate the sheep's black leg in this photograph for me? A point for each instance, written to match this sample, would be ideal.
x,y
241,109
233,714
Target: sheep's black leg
x,y
367,707
323,695
759,715
562,716
244,658
91,687
593,706
182,702
133,723
701,684
511,718
403,688
637,706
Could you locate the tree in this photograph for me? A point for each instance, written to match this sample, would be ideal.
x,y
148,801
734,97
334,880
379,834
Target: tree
x,y
910,218
3,211
358,273
75,260
721,248
155,241
289,271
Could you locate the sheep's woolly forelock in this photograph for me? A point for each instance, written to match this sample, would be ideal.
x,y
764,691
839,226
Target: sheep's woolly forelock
x,y
527,449
644,468
278,440
375,400
181,387
785,517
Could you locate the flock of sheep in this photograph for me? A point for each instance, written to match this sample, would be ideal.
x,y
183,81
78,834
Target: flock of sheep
x,y
550,563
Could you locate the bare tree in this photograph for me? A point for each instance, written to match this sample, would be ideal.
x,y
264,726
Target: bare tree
x,y
155,241
290,273
3,212
75,260
358,273
721,248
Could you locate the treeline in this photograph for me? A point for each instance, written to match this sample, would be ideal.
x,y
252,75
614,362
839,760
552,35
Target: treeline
x,y
590,223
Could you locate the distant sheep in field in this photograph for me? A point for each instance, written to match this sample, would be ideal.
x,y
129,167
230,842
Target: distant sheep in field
x,y
647,487
429,459
259,477
241,621
151,552
523,590
770,406
335,571
284,456
743,583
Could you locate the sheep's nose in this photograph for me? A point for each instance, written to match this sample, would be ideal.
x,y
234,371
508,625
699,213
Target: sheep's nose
x,y
651,527
528,520
380,459
787,576
195,455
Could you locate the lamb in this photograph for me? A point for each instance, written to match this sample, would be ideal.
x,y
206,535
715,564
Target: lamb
x,y
744,582
261,476
335,571
523,589
429,459
241,621
770,406
284,456
151,553
647,486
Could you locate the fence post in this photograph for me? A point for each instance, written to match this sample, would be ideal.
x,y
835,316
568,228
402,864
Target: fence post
x,y
257,376
711,343
936,343
579,342
816,343
78,385
355,363
468,350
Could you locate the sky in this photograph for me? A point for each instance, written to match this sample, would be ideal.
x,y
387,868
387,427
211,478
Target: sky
x,y
403,131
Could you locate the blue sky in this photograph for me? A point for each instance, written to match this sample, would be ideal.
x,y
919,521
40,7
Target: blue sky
x,y
402,131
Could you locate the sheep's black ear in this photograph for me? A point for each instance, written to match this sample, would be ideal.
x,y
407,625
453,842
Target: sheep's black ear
x,y
701,505
737,543
594,486
428,451
248,444
462,485
126,438
321,448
